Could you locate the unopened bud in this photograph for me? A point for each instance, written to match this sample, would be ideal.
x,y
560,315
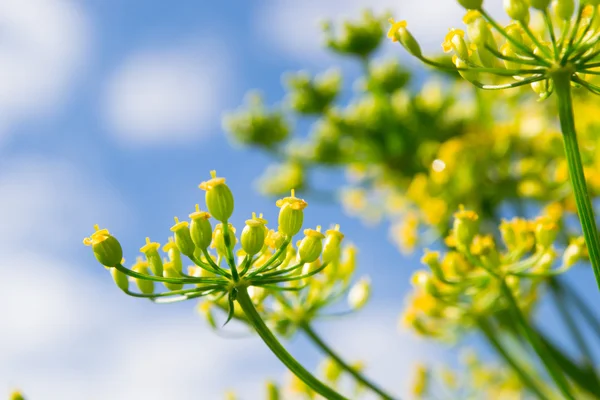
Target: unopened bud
x,y
466,226
291,215
150,250
311,246
170,271
120,279
219,238
564,9
183,238
517,10
332,248
399,33
146,286
540,4
253,235
200,229
219,199
455,41
106,248
471,4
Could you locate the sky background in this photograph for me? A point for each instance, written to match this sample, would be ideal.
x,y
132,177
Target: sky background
x,y
110,113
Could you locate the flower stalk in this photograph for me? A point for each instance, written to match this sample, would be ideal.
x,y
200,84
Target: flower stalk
x,y
277,348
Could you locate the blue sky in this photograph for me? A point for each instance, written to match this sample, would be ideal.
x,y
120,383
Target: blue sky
x,y
110,113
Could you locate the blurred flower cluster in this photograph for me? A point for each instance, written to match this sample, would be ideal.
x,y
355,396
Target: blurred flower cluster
x,y
466,282
412,153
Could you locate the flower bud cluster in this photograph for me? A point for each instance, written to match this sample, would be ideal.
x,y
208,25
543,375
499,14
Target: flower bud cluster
x,y
260,260
463,283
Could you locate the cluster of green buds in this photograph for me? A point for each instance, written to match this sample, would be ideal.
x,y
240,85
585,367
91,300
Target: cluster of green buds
x,y
467,281
256,125
356,38
544,42
260,260
313,95
301,303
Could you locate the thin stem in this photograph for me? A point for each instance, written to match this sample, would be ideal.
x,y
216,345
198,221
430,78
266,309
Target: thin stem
x,y
519,60
494,71
534,39
537,344
277,348
212,263
550,26
272,259
523,375
584,206
509,38
508,85
229,251
573,34
184,281
307,329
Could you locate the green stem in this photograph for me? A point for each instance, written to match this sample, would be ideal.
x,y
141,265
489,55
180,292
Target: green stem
x,y
488,332
271,341
537,344
348,368
584,206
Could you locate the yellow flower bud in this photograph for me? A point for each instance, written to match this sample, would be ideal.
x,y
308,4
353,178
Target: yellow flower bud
x,y
455,41
253,235
539,4
106,248
219,199
170,271
477,28
120,279
172,250
291,215
517,10
141,267
332,248
183,238
466,226
564,9
546,231
469,75
311,246
200,228
432,260
359,294
471,4
573,253
399,33
150,250
219,239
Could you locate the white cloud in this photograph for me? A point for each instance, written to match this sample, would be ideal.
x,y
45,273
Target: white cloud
x,y
46,203
293,27
165,96
43,45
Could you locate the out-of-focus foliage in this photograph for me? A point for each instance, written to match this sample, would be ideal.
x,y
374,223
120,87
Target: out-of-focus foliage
x,y
413,151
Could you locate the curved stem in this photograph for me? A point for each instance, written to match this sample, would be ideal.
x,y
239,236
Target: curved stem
x,y
584,206
523,375
277,348
348,368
